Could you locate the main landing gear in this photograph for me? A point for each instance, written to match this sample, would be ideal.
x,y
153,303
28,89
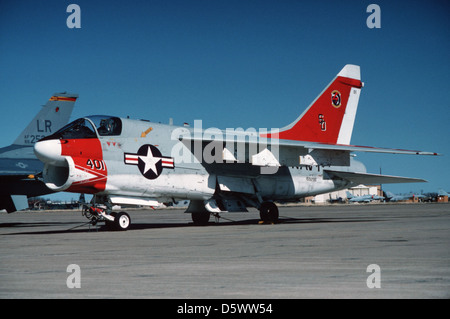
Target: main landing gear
x,y
113,221
268,212
200,218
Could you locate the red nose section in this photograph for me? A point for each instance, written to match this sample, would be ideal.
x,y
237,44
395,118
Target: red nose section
x,y
90,171
83,147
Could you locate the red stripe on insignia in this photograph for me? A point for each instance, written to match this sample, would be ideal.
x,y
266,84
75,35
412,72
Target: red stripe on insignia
x,y
167,163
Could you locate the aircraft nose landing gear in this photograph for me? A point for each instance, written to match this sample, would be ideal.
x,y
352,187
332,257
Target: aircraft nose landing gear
x,y
113,221
121,221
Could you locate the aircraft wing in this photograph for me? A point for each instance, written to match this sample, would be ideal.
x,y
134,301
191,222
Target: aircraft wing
x,y
19,167
350,148
372,179
307,145
287,152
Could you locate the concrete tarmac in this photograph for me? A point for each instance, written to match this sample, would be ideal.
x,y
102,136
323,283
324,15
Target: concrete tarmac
x,y
314,252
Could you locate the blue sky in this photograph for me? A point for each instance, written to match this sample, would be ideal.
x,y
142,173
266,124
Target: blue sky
x,y
238,64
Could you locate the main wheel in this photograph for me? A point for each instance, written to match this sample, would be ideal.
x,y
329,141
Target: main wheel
x,y
200,218
122,221
269,212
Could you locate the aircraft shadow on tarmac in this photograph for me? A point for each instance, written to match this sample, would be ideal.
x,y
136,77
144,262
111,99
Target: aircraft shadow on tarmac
x,y
86,228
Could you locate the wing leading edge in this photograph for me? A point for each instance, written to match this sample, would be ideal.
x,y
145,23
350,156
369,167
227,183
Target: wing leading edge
x,y
372,179
301,146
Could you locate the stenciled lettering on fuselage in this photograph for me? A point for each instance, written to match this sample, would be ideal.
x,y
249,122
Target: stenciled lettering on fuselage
x,y
149,161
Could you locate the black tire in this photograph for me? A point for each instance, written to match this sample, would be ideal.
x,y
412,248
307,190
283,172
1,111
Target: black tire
x,y
269,212
111,225
122,221
200,218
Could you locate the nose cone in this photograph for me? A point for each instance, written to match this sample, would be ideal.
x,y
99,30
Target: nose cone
x,y
49,151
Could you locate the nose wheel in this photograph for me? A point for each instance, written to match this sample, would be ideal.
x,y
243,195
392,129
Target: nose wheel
x,y
113,221
121,221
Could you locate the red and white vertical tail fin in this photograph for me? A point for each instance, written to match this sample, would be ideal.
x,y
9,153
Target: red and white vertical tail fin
x,y
330,117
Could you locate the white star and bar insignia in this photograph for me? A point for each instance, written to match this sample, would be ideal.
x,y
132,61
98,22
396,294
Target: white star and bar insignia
x,y
149,161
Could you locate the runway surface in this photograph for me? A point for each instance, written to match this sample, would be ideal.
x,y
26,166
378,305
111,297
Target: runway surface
x,y
314,252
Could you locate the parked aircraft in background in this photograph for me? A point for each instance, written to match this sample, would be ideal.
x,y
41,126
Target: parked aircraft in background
x,y
362,199
18,163
124,161
395,198
442,192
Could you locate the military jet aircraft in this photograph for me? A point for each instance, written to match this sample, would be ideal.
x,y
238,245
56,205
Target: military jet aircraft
x,y
124,161
363,199
18,164
397,198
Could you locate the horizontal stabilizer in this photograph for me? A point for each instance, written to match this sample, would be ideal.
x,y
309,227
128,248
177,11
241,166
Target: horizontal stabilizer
x,y
373,179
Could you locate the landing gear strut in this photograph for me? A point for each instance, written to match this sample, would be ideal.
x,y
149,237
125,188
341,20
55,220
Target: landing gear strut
x,y
268,212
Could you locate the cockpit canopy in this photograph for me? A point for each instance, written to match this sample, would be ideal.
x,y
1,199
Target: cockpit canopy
x,y
89,127
107,125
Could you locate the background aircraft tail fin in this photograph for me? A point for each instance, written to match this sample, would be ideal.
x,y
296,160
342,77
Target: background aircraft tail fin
x,y
389,194
53,115
330,117
13,203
